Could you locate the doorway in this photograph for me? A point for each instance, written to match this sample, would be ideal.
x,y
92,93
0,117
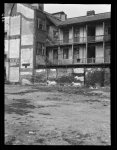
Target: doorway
x,y
55,56
91,54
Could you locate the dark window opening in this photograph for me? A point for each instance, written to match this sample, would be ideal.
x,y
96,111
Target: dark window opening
x,y
40,50
65,53
91,31
91,54
5,34
41,24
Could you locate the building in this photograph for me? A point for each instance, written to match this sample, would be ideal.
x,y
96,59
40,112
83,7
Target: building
x,y
36,39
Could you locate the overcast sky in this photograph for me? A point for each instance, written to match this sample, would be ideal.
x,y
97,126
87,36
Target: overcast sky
x,y
75,10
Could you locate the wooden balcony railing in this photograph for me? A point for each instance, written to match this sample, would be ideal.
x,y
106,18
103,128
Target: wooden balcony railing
x,y
98,38
97,60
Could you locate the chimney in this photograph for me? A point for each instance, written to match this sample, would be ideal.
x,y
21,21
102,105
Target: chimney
x,y
38,6
91,12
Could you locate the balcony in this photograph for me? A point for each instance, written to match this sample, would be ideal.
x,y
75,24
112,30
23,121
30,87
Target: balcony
x,y
97,60
80,40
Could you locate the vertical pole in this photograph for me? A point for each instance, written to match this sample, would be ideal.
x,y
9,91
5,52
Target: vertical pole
x,y
86,42
20,49
84,76
34,47
72,45
9,48
47,73
103,42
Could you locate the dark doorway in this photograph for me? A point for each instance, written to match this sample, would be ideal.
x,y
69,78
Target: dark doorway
x,y
66,36
91,54
55,56
91,30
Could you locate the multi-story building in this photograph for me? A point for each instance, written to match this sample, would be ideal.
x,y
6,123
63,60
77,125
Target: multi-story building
x,y
35,38
83,39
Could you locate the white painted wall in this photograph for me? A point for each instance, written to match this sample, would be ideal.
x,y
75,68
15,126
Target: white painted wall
x,y
82,34
99,31
6,46
27,32
27,57
15,25
14,48
14,74
99,53
27,12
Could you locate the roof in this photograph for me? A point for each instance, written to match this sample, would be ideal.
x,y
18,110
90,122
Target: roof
x,y
61,12
82,19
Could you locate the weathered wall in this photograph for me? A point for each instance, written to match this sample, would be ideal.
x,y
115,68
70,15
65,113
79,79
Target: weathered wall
x,y
27,12
82,34
99,53
99,31
107,52
13,47
27,42
27,32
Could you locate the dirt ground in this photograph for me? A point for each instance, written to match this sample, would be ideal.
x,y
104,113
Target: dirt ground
x,y
56,115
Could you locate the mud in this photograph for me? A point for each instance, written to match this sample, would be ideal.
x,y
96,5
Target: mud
x,y
42,115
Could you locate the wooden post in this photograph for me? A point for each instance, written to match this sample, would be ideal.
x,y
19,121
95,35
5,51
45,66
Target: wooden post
x,y
47,73
86,42
84,76
103,41
34,47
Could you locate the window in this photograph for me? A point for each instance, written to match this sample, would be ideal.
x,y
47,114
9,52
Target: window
x,y
109,30
55,34
76,32
41,24
40,49
65,53
5,34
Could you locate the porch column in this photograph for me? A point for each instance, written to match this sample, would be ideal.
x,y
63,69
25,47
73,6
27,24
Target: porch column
x,y
103,40
72,45
86,42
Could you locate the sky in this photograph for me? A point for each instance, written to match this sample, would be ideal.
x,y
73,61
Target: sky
x,y
75,10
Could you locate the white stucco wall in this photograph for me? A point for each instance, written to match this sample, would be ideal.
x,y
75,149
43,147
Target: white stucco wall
x,y
15,25
14,48
6,47
27,57
27,12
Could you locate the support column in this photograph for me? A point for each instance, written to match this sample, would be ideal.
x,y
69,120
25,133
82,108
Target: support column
x,y
34,47
72,45
103,41
86,42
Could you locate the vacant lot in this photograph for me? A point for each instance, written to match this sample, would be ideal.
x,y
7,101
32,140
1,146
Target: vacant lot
x,y
44,115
